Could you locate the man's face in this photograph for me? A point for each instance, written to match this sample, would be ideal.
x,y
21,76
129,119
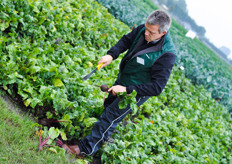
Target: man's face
x,y
152,32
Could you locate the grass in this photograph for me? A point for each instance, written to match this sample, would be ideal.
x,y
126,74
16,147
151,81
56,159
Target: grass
x,y
18,141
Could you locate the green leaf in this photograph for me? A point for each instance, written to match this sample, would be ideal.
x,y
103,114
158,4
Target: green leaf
x,y
134,108
58,83
36,124
82,161
209,79
150,142
49,115
34,69
35,101
67,120
89,121
63,135
53,132
5,87
52,150
81,117
12,78
27,102
53,69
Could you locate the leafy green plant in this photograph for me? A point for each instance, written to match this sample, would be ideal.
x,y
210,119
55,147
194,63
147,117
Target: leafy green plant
x,y
48,46
182,125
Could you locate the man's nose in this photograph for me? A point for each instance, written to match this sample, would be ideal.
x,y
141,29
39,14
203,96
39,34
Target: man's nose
x,y
146,33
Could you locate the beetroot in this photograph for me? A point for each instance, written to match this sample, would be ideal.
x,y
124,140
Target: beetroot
x,y
42,144
104,88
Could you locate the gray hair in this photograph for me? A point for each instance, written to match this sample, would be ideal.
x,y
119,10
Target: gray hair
x,y
161,18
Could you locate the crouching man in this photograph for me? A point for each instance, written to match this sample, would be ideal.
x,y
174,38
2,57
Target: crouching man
x,y
145,68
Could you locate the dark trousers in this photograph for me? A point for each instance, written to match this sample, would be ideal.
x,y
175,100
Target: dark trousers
x,y
106,125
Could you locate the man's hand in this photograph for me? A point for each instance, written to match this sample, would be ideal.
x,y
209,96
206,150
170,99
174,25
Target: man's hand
x,y
106,60
116,89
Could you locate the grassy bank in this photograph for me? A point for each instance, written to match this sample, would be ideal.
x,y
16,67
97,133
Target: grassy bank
x,y
18,141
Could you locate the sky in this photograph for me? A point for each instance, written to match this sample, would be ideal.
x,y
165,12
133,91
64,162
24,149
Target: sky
x,y
215,17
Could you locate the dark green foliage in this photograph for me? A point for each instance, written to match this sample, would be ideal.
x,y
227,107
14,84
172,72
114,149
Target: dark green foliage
x,y
46,49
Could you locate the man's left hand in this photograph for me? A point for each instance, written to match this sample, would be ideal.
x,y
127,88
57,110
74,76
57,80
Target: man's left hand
x,y
116,89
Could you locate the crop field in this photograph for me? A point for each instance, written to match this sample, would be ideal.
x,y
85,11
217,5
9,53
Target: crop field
x,y
201,64
47,46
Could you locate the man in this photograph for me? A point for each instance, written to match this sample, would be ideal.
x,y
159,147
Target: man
x,y
145,68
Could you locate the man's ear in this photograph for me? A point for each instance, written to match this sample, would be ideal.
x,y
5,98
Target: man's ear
x,y
164,32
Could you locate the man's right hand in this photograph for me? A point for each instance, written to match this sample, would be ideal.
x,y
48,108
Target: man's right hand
x,y
106,60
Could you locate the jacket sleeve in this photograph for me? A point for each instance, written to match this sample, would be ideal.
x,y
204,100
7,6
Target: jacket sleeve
x,y
124,43
161,71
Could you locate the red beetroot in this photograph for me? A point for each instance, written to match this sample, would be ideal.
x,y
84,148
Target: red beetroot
x,y
104,88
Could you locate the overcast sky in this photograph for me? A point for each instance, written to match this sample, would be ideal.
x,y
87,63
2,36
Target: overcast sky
x,y
215,17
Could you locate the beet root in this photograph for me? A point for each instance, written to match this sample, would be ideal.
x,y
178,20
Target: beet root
x,y
104,88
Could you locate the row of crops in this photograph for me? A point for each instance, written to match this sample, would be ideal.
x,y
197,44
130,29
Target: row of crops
x,y
46,47
201,64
